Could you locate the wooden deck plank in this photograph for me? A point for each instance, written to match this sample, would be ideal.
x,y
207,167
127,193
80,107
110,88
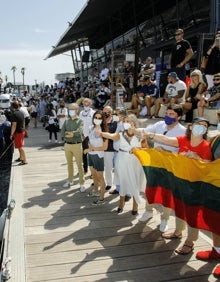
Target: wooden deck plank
x,y
68,239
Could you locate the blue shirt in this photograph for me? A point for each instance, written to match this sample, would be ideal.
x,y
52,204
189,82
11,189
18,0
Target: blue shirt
x,y
151,90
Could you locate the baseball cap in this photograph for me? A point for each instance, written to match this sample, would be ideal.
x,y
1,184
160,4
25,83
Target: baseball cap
x,y
199,119
174,75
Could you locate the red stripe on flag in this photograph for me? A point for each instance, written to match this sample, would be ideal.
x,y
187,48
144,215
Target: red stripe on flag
x,y
196,216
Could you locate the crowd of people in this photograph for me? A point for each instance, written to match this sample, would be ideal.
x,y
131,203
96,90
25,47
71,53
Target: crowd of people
x,y
198,91
101,140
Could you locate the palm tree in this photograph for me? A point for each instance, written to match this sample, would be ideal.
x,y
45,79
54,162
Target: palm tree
x,y
23,73
14,69
6,79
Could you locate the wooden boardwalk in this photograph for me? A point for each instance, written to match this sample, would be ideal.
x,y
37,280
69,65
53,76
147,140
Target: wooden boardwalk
x,y
67,239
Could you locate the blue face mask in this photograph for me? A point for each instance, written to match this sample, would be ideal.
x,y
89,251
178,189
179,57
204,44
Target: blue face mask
x,y
168,120
198,130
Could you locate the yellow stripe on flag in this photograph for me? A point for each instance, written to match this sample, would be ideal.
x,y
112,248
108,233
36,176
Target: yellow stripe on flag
x,y
181,166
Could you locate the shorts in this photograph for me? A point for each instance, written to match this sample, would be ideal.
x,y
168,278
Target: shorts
x,y
34,114
96,162
19,139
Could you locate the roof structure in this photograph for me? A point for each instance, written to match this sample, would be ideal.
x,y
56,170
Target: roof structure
x,y
100,21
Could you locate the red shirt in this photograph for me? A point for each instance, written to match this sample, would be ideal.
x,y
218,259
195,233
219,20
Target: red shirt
x,y
203,149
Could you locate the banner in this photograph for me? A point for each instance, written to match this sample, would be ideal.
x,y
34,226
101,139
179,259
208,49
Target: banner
x,y
188,186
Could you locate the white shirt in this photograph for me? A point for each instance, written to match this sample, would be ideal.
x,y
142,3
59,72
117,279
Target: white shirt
x,y
25,112
86,117
96,141
62,111
104,74
160,127
173,88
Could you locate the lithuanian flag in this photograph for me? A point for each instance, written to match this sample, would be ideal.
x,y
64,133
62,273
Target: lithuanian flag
x,y
190,187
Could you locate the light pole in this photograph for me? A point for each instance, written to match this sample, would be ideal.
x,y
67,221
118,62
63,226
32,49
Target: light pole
x,y
14,70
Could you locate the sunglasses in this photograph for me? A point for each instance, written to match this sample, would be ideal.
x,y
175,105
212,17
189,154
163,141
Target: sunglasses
x,y
97,118
217,79
177,34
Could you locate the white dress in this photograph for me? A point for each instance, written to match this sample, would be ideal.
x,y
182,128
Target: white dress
x,y
130,173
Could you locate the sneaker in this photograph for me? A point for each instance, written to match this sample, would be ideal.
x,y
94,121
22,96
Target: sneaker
x,y
18,160
155,117
134,212
119,211
163,226
82,189
93,194
112,192
98,202
56,141
216,271
49,140
68,184
23,163
208,255
145,216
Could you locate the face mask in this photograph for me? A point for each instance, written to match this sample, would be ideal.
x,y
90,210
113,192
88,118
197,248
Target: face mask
x,y
198,130
115,118
126,125
106,115
86,109
97,121
72,113
168,120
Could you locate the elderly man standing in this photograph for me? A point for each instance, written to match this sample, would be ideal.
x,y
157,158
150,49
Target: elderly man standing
x,y
86,116
71,132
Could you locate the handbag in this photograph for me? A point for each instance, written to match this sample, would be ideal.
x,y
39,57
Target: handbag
x,y
56,126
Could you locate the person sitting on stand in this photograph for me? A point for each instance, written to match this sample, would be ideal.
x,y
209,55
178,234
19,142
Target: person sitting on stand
x,y
174,93
193,94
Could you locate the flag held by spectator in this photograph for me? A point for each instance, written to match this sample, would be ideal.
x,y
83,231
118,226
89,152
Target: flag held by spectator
x,y
189,186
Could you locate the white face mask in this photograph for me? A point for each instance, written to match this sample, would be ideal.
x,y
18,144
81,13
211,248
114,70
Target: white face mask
x,y
198,130
86,108
115,118
97,121
126,125
72,113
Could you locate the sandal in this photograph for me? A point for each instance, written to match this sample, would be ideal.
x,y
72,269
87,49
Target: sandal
x,y
171,236
185,249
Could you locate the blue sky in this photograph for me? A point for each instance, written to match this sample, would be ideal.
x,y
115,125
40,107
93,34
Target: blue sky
x,y
28,30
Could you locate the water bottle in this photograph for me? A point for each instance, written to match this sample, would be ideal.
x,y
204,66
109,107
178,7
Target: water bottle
x,y
218,126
